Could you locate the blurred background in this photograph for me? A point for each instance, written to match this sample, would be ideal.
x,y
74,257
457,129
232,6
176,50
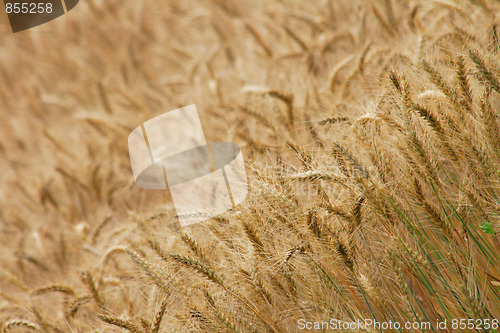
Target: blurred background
x,y
275,77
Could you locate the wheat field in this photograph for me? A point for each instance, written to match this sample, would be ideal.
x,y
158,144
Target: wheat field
x,y
371,137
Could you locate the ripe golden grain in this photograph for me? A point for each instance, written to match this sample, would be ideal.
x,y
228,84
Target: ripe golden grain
x,y
371,137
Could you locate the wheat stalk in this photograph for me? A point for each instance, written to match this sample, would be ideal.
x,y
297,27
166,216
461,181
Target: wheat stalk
x,y
123,323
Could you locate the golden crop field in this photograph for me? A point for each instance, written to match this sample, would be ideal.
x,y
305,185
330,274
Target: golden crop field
x,y
370,131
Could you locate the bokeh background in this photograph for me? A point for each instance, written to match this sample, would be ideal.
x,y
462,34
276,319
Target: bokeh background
x,y
292,82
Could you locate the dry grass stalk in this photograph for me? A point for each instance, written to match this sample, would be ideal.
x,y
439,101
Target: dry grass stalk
x,y
123,323
485,72
155,326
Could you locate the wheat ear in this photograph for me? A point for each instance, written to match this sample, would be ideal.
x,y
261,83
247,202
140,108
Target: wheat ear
x,y
123,323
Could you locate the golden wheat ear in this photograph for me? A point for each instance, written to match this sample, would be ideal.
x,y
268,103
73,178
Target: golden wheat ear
x,y
19,323
122,323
